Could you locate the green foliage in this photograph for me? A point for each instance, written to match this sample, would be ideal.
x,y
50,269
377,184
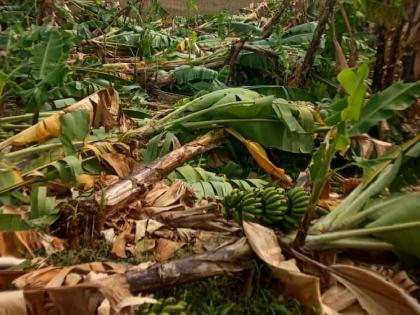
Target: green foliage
x,y
383,105
68,169
36,64
158,146
194,78
259,119
9,175
74,126
398,210
381,12
225,295
43,213
409,172
284,92
208,184
299,34
353,83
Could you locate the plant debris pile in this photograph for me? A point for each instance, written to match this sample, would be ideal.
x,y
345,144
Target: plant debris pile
x,y
263,161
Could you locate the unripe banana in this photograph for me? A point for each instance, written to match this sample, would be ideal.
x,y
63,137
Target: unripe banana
x,y
275,205
248,216
267,221
278,210
273,198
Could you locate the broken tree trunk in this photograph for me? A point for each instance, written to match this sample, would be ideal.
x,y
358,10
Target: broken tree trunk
x,y
268,28
231,60
125,189
380,60
226,260
353,47
411,58
302,71
201,217
393,56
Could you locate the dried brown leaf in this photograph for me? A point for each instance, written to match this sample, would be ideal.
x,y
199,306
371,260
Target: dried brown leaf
x,y
375,294
56,276
368,145
163,196
74,300
12,303
120,163
338,298
301,286
119,246
165,249
17,243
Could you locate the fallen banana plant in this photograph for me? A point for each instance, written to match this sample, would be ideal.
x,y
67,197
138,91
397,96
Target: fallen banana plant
x,y
114,282
103,108
392,220
139,181
226,260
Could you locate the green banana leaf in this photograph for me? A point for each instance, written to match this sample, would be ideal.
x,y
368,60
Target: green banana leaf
x,y
299,34
186,74
74,126
254,60
287,93
9,175
265,121
46,56
43,213
403,210
155,148
12,223
208,184
382,106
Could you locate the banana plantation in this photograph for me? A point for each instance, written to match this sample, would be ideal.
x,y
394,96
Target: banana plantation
x,y
209,157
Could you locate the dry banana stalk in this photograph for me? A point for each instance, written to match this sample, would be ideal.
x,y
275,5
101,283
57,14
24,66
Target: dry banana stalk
x,y
138,182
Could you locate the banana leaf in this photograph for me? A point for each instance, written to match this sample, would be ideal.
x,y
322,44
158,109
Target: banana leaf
x,y
299,34
185,74
382,106
403,210
287,93
208,184
254,60
261,121
46,57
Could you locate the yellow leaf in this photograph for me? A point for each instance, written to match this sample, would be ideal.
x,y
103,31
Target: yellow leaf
x,y
86,181
318,118
260,156
9,175
44,130
251,17
181,46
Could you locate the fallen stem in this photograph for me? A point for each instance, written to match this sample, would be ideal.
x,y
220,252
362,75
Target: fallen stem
x,y
226,260
317,240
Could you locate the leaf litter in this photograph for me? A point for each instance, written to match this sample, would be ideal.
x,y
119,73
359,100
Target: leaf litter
x,y
180,145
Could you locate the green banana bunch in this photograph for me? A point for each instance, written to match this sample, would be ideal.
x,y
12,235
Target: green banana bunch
x,y
231,204
275,205
270,205
243,205
251,204
164,306
298,202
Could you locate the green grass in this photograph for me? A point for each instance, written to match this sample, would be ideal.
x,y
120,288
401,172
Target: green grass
x,y
226,295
